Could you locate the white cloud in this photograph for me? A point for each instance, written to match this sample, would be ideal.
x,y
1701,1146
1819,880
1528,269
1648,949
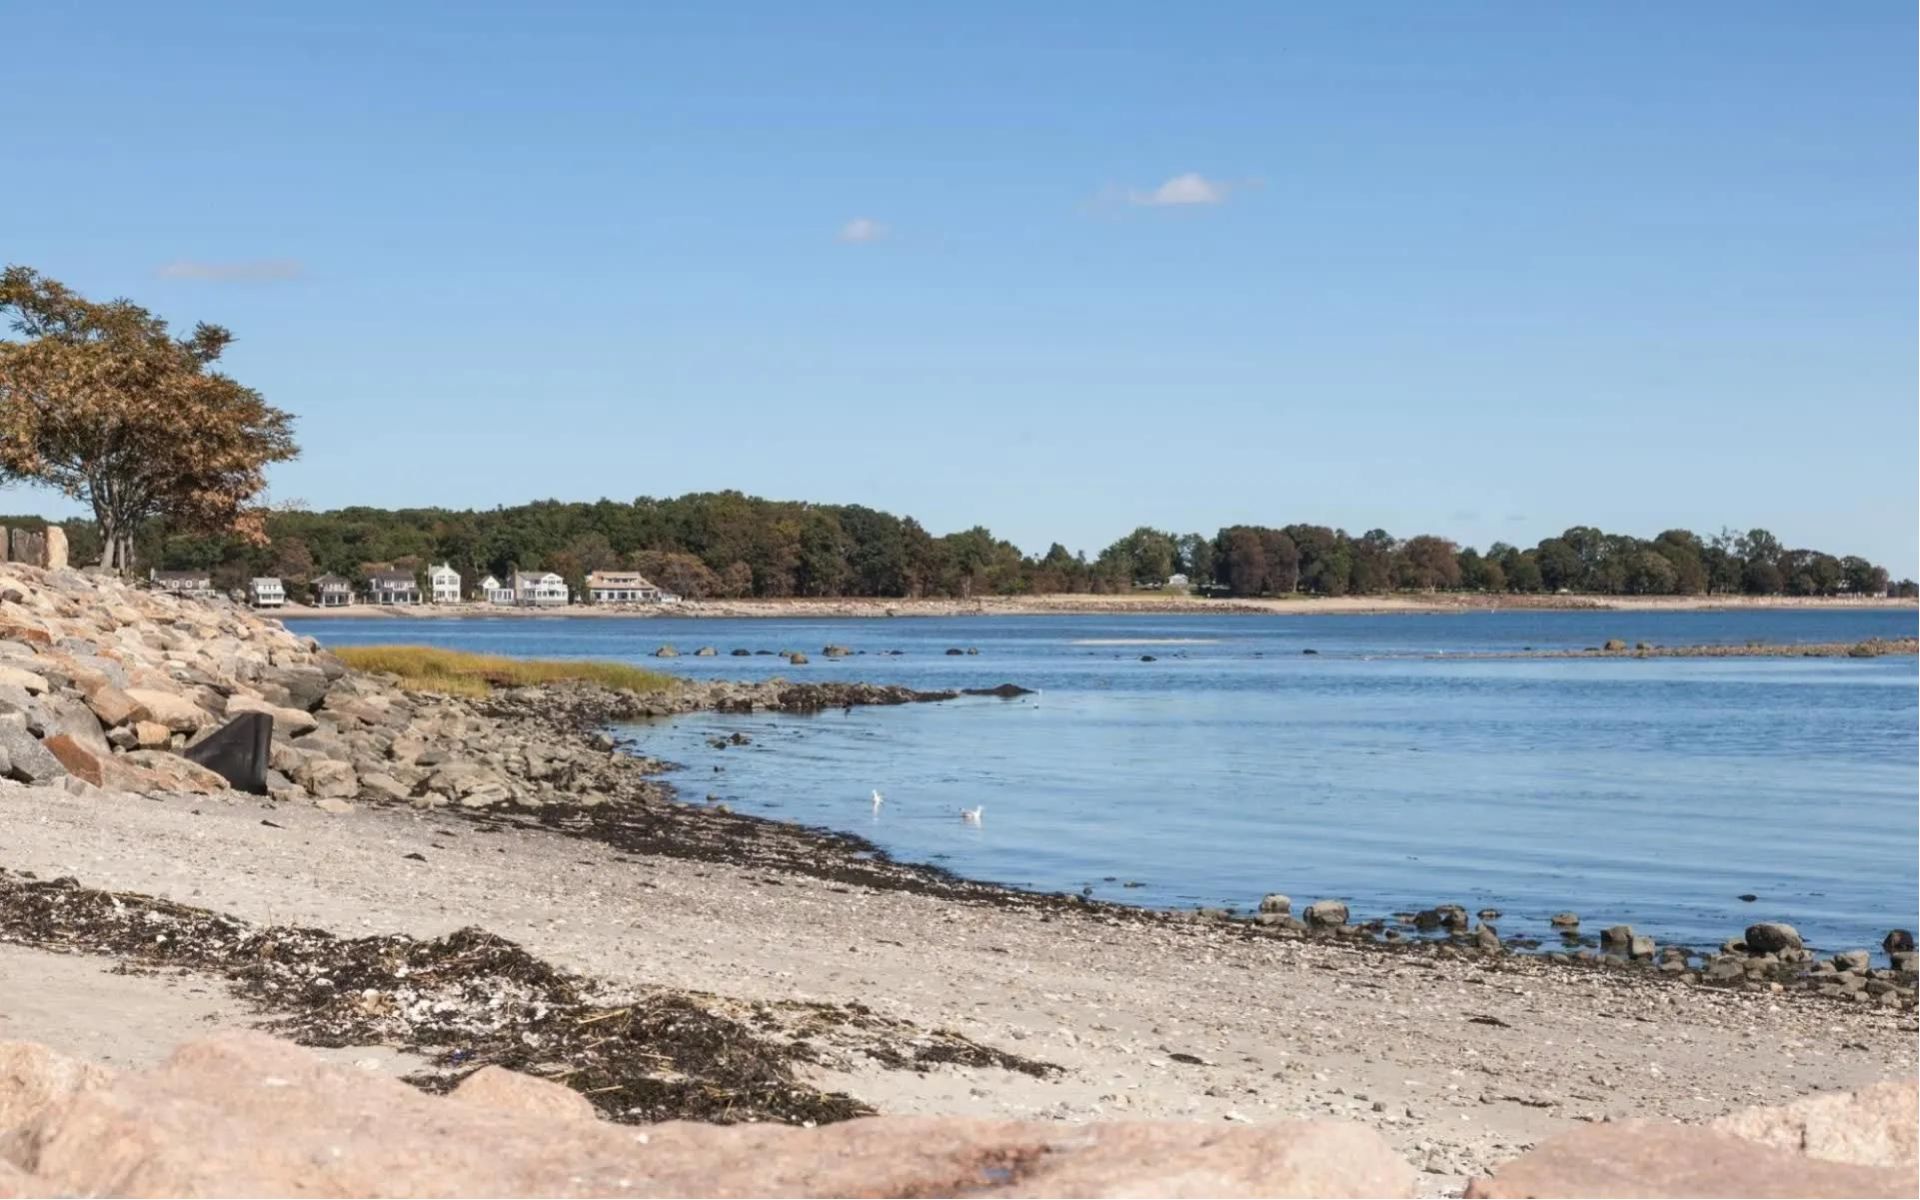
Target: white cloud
x,y
862,229
265,270
1190,188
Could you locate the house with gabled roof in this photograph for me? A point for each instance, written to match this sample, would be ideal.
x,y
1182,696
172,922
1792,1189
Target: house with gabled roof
x,y
620,587
332,591
443,584
539,589
393,587
493,591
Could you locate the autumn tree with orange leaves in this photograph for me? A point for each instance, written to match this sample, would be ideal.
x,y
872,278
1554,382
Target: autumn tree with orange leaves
x,y
98,401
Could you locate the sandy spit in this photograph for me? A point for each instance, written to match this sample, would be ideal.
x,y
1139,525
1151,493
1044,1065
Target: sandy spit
x,y
1144,603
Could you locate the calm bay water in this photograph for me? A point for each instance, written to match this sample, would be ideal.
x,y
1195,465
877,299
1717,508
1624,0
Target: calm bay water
x,y
1386,769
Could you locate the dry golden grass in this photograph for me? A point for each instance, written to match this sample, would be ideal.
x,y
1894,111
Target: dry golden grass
x,y
458,673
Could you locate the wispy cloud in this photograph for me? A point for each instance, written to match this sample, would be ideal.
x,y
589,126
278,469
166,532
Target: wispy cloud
x,y
263,270
1190,188
862,229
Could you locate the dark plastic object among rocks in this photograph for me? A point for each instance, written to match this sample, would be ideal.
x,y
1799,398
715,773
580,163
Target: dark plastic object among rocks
x,y
238,752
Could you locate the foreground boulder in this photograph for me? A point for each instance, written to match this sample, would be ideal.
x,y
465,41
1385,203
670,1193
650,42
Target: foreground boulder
x,y
1845,1144
1874,1127
1638,1158
245,1114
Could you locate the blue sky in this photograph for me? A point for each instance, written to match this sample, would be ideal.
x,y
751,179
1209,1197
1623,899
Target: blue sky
x,y
1481,270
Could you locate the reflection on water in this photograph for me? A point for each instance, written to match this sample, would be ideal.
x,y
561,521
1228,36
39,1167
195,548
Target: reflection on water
x,y
1653,791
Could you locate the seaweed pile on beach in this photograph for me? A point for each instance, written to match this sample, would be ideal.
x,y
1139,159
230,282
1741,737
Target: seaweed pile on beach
x,y
471,999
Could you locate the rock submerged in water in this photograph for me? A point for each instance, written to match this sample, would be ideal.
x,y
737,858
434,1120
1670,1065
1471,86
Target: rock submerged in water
x,y
1006,691
1616,939
1770,937
1565,920
666,652
797,659
705,652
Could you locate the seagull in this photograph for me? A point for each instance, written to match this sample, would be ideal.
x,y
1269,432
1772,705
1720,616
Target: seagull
x,y
878,800
972,815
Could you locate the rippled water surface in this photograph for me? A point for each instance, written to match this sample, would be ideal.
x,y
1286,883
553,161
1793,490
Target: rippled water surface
x,y
1386,769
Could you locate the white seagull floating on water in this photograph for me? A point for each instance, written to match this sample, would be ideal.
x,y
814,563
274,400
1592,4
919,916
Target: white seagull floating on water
x,y
972,815
878,800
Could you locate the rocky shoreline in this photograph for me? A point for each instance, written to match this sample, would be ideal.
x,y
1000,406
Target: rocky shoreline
x,y
1618,648
102,685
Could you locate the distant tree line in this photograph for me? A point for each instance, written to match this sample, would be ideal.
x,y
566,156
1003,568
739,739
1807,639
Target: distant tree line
x,y
725,544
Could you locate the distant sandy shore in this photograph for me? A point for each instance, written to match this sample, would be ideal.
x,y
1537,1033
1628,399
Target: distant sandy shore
x,y
1064,604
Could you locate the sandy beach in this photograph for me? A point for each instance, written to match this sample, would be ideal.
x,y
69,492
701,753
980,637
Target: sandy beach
x,y
1141,603
1458,1061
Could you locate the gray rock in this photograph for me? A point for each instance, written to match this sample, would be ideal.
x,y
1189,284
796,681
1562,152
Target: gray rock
x,y
1771,938
306,687
1274,902
1726,969
328,777
381,786
27,760
1487,938
1853,960
1640,946
1897,941
666,652
1565,920
66,714
1326,914
1617,939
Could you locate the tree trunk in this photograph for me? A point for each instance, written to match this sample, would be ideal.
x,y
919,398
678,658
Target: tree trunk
x,y
116,544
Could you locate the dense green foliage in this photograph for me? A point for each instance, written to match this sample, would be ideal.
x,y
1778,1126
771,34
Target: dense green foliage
x,y
727,544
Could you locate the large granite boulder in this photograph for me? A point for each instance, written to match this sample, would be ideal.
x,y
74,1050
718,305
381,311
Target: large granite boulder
x,y
245,1114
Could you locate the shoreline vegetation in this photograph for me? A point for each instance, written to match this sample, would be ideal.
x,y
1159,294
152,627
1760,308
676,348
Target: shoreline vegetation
x,y
726,546
460,673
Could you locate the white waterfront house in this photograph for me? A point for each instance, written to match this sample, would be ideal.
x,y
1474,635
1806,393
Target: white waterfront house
x,y
1177,581
266,591
393,587
539,589
494,592
620,587
331,591
443,584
